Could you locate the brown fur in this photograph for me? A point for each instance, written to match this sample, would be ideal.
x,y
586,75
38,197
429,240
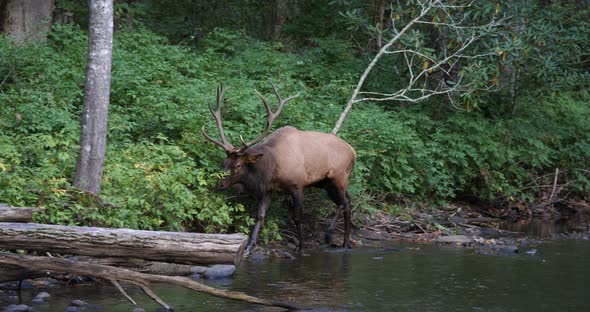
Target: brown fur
x,y
288,161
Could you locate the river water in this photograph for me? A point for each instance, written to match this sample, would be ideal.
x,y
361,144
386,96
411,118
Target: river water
x,y
400,277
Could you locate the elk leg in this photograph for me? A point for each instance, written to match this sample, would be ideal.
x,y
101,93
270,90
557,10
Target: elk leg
x,y
334,195
262,206
330,230
347,222
298,207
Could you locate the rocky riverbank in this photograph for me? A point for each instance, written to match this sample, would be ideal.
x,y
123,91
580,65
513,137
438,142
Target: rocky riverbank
x,y
488,231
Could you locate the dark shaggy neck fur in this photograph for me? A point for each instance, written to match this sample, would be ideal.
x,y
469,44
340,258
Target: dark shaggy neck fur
x,y
259,179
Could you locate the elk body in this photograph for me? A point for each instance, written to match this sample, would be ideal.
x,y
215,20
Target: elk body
x,y
286,162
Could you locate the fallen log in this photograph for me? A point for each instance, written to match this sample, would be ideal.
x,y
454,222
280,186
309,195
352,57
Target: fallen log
x,y
143,266
17,214
10,273
175,247
116,275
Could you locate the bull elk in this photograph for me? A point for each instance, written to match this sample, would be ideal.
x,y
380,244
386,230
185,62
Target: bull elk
x,y
286,162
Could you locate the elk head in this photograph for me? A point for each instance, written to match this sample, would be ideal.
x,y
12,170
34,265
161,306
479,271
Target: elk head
x,y
240,159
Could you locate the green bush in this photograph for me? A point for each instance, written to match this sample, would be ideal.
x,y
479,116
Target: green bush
x,y
160,173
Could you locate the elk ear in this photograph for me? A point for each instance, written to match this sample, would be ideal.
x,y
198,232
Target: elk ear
x,y
250,158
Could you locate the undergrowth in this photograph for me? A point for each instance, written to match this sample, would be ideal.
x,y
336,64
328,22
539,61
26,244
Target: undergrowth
x,y
161,174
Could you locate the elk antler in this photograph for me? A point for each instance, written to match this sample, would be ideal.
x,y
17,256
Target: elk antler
x,y
217,115
270,116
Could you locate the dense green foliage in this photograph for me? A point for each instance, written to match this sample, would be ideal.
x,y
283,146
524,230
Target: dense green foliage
x,y
160,173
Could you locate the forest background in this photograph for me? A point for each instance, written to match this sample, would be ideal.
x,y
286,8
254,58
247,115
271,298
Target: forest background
x,y
519,141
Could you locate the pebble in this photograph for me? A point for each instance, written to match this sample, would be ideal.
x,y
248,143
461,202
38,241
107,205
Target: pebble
x,y
17,308
78,303
138,310
288,255
26,284
12,298
456,239
257,256
46,282
42,295
38,301
72,309
196,276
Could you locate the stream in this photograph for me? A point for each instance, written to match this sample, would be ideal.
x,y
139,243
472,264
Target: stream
x,y
400,277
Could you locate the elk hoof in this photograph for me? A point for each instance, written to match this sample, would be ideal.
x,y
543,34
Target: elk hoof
x,y
328,238
346,247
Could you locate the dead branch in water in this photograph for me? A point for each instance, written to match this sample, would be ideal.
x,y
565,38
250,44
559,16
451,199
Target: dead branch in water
x,y
116,275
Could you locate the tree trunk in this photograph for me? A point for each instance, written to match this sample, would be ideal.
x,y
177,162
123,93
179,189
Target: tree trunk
x,y
440,41
26,19
93,135
378,19
175,247
63,15
17,214
275,19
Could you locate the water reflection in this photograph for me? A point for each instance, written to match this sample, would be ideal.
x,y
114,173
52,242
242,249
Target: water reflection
x,y
427,278
536,227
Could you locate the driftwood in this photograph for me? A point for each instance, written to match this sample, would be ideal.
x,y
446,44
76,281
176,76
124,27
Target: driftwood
x,y
175,247
17,214
143,266
9,273
116,275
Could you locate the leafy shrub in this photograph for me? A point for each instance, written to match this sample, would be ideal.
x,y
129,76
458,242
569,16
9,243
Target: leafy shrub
x,y
160,173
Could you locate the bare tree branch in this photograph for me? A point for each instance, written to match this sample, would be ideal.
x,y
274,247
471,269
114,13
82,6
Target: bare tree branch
x,y
421,83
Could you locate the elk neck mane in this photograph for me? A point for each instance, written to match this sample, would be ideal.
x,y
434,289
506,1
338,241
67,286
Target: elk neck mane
x,y
260,181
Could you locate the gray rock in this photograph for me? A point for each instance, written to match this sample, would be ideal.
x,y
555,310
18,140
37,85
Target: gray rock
x,y
78,303
72,309
532,252
373,235
257,256
455,239
42,295
12,298
38,301
219,271
510,249
497,250
26,284
288,255
378,258
46,283
138,310
197,269
17,308
291,246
